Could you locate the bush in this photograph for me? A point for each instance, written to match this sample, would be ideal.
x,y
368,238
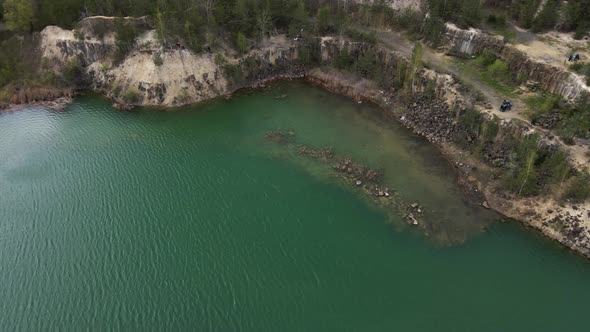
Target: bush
x,y
522,177
497,21
486,59
241,43
132,96
433,29
366,66
360,36
555,168
79,35
343,60
469,125
233,73
125,42
579,189
499,70
408,19
310,52
73,74
324,24
157,57
582,69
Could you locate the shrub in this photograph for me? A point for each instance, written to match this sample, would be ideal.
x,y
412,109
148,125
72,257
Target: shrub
x,y
499,70
132,96
79,35
555,168
366,66
323,21
73,73
497,21
241,43
310,52
233,73
522,177
408,19
579,189
469,124
489,131
125,41
433,29
361,36
343,60
220,59
157,57
485,59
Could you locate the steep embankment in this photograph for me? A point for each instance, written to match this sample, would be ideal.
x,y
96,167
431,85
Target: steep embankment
x,y
153,75
548,75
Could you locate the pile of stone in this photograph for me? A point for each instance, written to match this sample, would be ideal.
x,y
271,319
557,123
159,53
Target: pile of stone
x,y
412,213
497,155
315,153
572,227
548,120
357,173
431,119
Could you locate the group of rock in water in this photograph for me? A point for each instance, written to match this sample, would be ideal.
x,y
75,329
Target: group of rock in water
x,y
369,180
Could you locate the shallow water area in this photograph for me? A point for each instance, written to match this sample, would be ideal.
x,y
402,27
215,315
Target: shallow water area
x,y
190,219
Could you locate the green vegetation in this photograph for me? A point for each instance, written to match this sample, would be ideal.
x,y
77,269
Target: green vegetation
x,y
579,189
18,14
126,35
573,121
499,71
491,71
241,42
132,96
360,36
157,57
582,69
526,13
529,167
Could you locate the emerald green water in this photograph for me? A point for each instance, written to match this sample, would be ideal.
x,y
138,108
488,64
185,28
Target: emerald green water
x,y
190,220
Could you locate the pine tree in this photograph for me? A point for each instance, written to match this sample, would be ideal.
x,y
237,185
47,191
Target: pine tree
x,y
18,14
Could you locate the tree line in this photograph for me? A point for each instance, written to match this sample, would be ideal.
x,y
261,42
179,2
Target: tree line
x,y
526,13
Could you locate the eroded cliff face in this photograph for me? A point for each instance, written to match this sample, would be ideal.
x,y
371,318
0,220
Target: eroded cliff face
x,y
59,46
153,75
550,77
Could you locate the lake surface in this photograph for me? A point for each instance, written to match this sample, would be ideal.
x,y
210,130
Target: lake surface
x,y
191,220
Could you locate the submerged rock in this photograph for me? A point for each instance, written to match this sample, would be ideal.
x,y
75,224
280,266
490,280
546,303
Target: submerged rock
x,y
281,137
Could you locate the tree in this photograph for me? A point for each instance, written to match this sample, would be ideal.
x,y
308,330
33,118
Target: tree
x,y
18,14
546,18
415,63
470,12
324,19
242,43
263,23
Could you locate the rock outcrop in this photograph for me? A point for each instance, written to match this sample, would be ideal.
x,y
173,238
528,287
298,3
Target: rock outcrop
x,y
550,77
154,75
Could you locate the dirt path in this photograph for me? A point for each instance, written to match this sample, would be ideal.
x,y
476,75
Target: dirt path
x,y
444,64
